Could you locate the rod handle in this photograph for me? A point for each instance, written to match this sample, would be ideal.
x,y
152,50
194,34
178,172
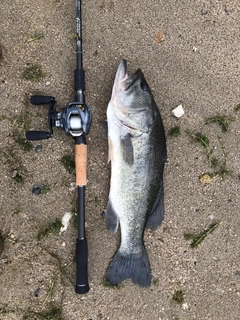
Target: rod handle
x,y
41,99
81,164
37,135
82,285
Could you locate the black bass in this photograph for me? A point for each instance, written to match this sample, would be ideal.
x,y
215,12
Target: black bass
x,y
137,151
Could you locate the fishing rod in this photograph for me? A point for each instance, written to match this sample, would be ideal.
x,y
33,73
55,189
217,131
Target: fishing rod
x,y
76,120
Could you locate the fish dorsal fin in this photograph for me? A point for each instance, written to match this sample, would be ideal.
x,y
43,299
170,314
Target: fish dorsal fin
x,y
127,149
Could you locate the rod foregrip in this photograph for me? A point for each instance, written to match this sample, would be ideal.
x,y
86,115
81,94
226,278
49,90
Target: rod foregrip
x,y
79,78
41,99
82,285
81,164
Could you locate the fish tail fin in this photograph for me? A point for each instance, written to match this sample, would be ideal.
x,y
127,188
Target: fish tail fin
x,y
135,267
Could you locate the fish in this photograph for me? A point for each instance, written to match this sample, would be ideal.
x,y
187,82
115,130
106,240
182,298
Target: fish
x,y
137,152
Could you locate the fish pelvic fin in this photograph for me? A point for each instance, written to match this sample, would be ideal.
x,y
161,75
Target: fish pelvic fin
x,y
135,267
111,218
156,216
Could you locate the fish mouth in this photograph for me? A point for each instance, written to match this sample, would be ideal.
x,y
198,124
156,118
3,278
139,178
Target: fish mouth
x,y
129,82
122,80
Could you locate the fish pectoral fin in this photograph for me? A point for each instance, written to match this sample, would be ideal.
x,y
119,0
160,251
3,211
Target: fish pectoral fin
x,y
111,218
127,149
110,150
156,216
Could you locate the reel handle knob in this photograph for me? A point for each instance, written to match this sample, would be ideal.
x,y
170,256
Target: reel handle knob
x,y
37,135
41,100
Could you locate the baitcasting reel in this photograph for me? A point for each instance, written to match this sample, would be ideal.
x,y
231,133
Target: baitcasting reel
x,y
75,118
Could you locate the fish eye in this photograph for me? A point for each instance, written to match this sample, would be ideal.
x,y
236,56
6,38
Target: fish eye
x,y
144,86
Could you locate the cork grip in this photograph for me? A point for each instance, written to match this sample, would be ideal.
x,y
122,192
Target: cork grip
x,y
81,164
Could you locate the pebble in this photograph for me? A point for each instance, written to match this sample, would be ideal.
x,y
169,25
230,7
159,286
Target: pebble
x,y
36,293
65,221
204,11
185,306
160,37
178,112
205,178
36,190
72,186
38,148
